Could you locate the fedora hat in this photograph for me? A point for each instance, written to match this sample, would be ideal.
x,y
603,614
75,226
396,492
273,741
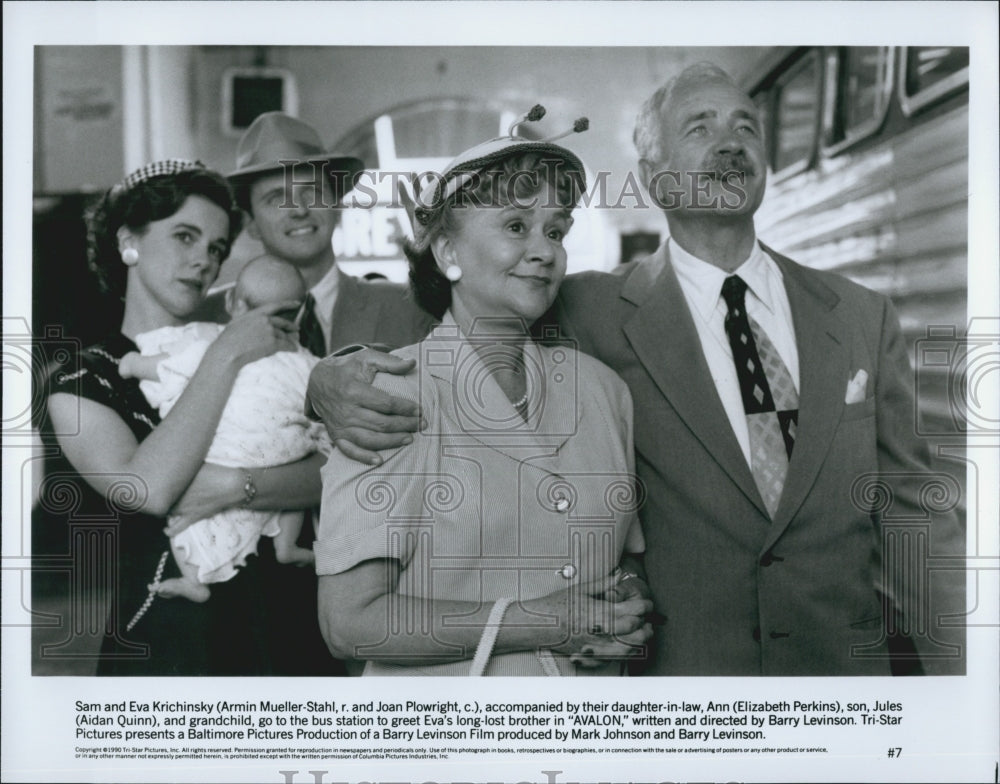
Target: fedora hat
x,y
275,138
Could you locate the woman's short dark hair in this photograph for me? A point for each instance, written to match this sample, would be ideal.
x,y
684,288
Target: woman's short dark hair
x,y
141,204
498,185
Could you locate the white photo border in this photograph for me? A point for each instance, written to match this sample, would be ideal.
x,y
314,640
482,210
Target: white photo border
x,y
953,722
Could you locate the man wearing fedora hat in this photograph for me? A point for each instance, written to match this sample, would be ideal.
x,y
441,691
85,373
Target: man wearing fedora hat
x,y
291,187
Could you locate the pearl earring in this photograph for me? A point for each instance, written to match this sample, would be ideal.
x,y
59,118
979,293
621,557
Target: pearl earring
x,y
453,273
130,256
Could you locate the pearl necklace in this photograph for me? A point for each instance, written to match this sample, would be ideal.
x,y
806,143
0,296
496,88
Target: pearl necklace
x,y
153,588
522,402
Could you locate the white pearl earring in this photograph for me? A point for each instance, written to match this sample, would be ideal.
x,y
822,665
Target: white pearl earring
x,y
453,273
130,256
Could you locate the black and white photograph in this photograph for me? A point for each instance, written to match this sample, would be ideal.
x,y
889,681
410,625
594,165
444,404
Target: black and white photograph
x,y
656,343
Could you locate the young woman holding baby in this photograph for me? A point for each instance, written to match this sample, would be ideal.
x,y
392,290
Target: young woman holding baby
x,y
157,240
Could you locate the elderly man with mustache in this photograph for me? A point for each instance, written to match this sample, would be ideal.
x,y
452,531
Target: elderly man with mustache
x,y
769,400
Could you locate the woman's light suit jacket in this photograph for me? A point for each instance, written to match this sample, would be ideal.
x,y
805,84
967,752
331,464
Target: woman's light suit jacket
x,y
484,504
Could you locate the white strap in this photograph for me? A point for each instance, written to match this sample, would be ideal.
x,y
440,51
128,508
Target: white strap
x,y
548,662
489,637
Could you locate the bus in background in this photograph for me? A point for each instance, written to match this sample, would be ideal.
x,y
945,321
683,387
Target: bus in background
x,y
868,148
423,137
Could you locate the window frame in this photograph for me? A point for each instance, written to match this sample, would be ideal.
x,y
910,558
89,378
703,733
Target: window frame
x,y
911,104
775,93
289,93
834,101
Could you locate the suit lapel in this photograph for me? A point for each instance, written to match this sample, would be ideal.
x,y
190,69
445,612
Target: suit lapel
x,y
663,335
821,340
350,323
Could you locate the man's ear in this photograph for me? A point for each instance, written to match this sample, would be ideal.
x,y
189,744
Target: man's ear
x,y
443,251
647,169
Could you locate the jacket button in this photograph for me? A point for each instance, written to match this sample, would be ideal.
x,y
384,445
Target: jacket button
x,y
568,572
756,634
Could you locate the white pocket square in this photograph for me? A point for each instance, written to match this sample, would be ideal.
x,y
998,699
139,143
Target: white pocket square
x,y
856,388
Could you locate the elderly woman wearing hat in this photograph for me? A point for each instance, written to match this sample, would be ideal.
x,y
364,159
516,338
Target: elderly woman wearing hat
x,y
491,544
156,242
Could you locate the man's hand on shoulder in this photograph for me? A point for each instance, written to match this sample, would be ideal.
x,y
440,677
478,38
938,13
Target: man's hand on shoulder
x,y
360,418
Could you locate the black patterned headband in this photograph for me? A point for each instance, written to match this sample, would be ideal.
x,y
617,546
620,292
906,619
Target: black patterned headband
x,y
157,169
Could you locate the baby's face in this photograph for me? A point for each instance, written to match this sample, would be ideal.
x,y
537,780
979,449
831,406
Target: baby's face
x,y
264,284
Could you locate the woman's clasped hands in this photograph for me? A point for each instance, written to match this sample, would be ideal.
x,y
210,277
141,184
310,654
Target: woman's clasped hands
x,y
593,625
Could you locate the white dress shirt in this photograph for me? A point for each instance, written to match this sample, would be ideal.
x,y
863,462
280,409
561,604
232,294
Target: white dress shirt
x,y
325,294
766,303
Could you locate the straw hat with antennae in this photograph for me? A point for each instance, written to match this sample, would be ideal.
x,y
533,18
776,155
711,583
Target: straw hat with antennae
x,y
424,209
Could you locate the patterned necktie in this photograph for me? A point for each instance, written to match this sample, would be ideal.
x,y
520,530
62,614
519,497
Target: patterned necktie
x,y
310,332
769,397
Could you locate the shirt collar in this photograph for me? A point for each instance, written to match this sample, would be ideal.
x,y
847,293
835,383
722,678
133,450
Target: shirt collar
x,y
762,277
703,281
325,292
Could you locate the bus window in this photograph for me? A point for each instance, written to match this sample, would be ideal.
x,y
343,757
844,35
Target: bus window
x,y
931,72
796,110
866,76
859,85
